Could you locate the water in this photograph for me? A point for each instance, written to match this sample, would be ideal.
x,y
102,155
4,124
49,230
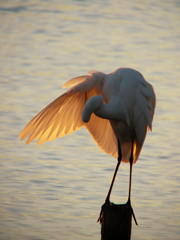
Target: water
x,y
54,191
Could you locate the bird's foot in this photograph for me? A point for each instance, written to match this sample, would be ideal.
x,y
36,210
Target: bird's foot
x,y
132,212
100,215
107,202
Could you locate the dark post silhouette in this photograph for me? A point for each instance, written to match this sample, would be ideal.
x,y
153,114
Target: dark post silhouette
x,y
116,221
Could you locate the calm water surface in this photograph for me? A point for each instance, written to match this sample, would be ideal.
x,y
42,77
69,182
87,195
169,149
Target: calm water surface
x,y
54,191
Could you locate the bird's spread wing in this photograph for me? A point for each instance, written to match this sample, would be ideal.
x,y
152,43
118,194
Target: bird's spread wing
x,y
63,116
74,81
102,133
101,130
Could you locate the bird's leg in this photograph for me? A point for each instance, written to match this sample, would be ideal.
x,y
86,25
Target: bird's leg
x,y
130,177
115,173
107,201
130,181
112,182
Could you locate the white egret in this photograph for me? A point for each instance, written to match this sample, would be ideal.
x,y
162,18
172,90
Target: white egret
x,y
116,108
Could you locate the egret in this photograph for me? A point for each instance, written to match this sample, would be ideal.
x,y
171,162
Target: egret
x,y
116,108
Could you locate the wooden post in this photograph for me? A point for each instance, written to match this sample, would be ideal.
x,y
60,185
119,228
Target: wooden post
x,y
116,221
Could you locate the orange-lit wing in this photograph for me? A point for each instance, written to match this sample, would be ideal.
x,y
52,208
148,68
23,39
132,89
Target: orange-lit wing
x,y
74,81
102,133
61,117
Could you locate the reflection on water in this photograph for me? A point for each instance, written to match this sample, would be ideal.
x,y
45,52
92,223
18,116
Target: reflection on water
x,y
55,191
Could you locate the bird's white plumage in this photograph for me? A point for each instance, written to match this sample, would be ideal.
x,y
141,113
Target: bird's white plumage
x,y
123,110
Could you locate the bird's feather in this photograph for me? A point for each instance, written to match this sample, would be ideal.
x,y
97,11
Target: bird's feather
x,y
63,116
102,133
143,115
74,81
56,119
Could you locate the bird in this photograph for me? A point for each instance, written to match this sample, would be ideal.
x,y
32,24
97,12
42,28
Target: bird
x,y
116,108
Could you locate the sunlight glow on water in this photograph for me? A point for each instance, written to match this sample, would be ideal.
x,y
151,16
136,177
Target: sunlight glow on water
x,y
54,191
